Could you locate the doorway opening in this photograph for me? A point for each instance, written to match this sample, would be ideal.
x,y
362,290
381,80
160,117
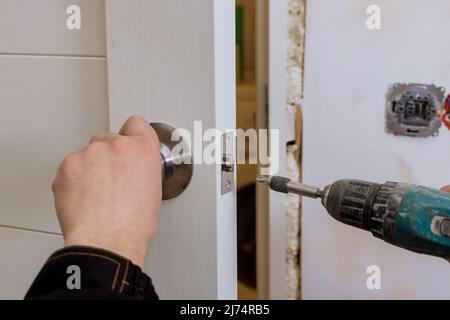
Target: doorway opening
x,y
250,110
265,221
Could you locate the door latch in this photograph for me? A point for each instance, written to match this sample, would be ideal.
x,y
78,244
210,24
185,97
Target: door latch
x,y
227,168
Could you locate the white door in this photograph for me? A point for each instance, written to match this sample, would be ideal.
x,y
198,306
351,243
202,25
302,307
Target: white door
x,y
348,71
173,61
170,61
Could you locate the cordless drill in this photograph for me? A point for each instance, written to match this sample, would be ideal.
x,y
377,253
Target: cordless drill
x,y
409,216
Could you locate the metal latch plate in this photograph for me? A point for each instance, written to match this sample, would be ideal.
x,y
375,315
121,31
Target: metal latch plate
x,y
228,165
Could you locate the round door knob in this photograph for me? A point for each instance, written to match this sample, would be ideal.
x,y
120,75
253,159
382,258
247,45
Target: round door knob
x,y
176,165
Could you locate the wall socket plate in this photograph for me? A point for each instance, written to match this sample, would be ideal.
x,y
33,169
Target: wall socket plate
x,y
414,109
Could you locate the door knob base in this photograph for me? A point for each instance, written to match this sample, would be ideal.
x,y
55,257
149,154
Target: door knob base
x,y
176,167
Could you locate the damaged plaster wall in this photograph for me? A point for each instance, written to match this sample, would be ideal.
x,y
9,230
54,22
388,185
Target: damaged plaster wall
x,y
349,69
296,37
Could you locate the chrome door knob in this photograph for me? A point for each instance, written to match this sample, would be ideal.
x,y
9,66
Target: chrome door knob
x,y
176,167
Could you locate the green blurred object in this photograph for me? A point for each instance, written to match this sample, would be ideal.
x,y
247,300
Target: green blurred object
x,y
240,39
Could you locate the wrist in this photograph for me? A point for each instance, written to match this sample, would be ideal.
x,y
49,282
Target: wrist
x,y
126,248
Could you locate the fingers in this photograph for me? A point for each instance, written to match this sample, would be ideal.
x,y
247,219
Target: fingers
x,y
446,188
137,126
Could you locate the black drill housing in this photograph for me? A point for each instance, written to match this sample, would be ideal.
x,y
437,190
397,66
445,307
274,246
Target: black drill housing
x,y
364,205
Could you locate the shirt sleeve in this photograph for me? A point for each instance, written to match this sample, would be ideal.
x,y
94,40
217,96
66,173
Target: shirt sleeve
x,y
90,273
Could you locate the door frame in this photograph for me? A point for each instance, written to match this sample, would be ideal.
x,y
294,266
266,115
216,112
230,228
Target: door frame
x,y
271,63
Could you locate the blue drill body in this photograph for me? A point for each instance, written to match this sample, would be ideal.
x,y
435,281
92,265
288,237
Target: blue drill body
x,y
409,216
423,221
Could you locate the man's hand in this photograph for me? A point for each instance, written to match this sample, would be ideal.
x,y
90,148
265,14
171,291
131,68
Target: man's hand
x,y
108,194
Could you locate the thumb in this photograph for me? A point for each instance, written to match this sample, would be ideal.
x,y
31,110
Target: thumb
x,y
138,126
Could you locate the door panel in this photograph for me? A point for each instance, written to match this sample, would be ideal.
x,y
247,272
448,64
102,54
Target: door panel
x,y
23,253
348,71
50,106
181,69
39,27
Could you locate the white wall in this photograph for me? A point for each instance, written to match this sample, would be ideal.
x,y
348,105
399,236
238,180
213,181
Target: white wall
x,y
348,70
53,98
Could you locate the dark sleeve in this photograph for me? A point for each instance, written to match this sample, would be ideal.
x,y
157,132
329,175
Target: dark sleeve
x,y
90,273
